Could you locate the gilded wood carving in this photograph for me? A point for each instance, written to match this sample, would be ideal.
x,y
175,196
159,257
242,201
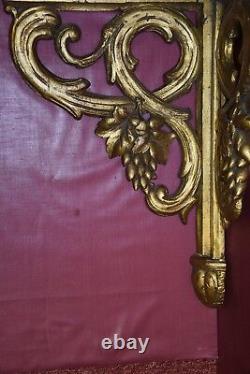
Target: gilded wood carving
x,y
139,126
234,75
142,145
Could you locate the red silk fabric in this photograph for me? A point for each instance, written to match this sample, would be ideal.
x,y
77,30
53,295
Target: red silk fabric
x,y
81,256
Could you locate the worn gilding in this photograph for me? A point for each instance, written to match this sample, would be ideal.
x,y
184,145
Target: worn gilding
x,y
139,126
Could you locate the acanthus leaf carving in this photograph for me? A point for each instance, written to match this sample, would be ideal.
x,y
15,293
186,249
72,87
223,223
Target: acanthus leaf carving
x,y
148,145
139,126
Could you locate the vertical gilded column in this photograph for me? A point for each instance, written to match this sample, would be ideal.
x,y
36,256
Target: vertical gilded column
x,y
209,267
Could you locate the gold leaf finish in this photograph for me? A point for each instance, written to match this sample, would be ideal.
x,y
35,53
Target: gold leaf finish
x,y
143,142
208,278
140,126
38,23
234,74
210,230
121,64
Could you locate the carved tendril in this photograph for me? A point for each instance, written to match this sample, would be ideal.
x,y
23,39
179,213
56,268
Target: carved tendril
x,y
146,143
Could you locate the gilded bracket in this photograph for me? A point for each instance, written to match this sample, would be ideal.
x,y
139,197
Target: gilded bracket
x,y
140,126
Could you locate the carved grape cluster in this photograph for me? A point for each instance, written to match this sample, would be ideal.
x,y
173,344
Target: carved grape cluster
x,y
141,144
235,163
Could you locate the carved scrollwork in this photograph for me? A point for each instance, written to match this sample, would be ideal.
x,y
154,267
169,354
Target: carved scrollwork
x,y
142,144
120,68
42,22
139,126
234,76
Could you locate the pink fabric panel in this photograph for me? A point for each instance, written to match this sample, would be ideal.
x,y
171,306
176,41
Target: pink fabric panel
x,y
81,256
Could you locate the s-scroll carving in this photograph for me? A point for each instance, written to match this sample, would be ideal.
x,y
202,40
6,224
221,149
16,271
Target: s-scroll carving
x,y
141,143
234,77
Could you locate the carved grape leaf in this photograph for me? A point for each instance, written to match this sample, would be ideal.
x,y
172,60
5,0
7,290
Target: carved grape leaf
x,y
141,144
